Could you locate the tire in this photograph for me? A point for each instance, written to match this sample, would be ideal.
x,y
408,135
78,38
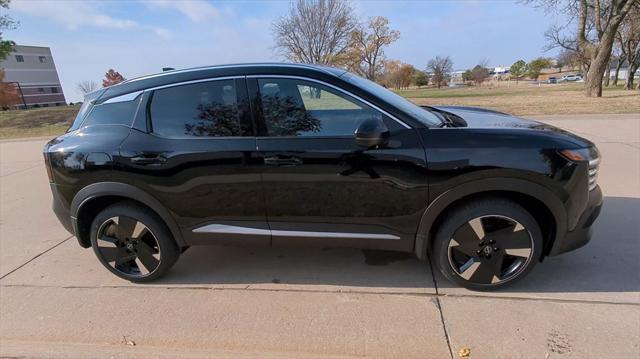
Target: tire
x,y
133,243
487,244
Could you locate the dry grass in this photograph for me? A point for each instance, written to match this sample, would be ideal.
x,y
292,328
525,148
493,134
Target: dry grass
x,y
49,121
523,100
527,99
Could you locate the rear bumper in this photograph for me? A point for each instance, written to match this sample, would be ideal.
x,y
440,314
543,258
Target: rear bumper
x,y
581,235
61,210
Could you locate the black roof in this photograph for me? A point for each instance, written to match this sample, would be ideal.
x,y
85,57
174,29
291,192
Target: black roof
x,y
197,73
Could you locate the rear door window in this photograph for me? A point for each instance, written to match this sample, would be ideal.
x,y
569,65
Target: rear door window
x,y
205,109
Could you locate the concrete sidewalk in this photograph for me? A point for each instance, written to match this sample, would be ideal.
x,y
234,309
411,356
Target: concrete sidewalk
x,y
57,301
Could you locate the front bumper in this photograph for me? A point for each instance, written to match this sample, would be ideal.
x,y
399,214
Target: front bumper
x,y
581,234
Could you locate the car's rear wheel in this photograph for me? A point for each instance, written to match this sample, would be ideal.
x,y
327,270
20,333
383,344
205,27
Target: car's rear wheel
x,y
133,243
487,244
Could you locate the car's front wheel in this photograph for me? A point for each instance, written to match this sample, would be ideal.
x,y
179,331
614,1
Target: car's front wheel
x,y
133,243
487,244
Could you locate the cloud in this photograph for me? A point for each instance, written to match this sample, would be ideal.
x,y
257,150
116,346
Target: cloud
x,y
195,10
71,14
163,33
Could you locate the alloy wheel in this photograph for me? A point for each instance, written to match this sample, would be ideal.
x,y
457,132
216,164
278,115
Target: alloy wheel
x,y
128,246
489,250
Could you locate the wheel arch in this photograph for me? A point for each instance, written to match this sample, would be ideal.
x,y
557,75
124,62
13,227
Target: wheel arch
x,y
95,197
547,209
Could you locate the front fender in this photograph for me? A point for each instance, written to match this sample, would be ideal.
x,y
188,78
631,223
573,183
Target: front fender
x,y
502,184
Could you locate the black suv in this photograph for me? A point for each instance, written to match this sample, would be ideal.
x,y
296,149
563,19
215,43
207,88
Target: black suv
x,y
273,154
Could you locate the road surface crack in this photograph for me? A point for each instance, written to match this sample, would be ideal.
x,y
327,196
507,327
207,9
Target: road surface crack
x,y
36,256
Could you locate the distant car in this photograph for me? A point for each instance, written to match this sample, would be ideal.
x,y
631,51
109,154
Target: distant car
x,y
276,154
552,80
572,78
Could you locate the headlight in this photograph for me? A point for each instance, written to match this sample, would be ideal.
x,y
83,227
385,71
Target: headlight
x,y
590,155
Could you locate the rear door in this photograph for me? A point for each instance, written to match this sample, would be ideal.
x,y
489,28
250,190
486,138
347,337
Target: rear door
x,y
319,186
192,150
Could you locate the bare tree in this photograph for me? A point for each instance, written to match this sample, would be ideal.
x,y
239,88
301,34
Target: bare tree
x,y
366,54
557,38
617,55
84,87
628,38
566,59
316,31
597,25
440,69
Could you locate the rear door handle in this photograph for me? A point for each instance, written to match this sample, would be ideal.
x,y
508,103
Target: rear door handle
x,y
146,160
282,161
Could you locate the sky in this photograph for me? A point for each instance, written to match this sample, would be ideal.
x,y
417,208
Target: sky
x,y
140,37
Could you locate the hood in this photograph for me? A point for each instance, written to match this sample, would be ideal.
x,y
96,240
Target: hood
x,y
475,117
483,118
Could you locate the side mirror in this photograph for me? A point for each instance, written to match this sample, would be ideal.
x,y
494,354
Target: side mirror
x,y
372,132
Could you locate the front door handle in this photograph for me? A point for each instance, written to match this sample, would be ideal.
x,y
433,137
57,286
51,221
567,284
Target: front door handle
x,y
148,159
282,161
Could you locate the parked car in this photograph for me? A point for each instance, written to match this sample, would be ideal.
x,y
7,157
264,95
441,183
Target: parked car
x,y
277,154
552,80
572,78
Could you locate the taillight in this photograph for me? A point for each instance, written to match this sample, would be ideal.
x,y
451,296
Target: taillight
x,y
47,165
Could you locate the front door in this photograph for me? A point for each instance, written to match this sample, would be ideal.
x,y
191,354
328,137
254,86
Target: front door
x,y
319,185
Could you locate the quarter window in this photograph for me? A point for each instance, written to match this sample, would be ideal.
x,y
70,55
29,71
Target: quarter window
x,y
207,109
42,59
116,113
293,107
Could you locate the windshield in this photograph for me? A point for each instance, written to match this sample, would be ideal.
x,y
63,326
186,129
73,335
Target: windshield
x,y
417,112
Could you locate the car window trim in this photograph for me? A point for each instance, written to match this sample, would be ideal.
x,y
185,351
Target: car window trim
x,y
149,120
350,94
208,79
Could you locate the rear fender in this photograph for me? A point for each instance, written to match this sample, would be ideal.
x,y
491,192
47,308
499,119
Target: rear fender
x,y
102,189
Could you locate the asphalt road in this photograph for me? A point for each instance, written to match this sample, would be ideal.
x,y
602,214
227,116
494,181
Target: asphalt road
x,y
56,300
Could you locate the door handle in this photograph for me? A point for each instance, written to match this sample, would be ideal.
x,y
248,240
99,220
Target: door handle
x,y
282,161
146,160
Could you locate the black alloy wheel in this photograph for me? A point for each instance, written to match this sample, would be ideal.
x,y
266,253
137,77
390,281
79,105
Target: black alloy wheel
x,y
133,243
128,246
490,249
488,244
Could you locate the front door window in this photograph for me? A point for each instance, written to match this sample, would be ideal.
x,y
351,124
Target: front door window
x,y
293,107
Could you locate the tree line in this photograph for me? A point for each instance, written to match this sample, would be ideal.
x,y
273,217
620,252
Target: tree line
x,y
326,32
601,32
